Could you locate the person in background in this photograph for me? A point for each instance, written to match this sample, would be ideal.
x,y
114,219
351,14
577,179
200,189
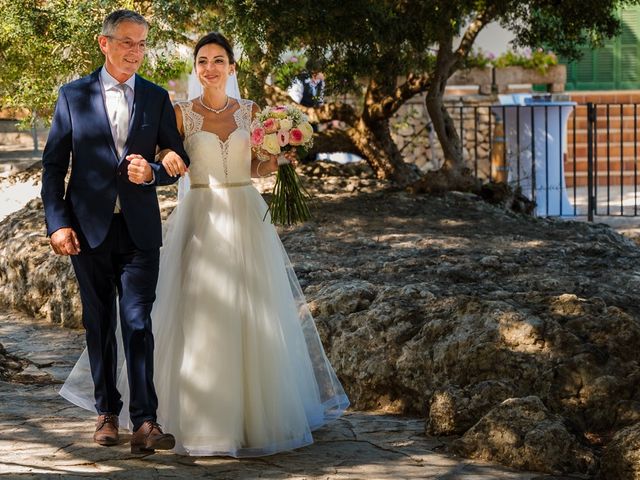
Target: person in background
x,y
307,88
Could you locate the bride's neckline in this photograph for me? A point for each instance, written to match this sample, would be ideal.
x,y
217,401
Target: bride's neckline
x,y
223,142
236,114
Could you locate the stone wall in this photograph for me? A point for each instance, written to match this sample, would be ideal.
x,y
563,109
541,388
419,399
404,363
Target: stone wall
x,y
414,135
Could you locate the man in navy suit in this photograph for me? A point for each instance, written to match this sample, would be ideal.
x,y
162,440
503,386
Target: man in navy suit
x,y
109,124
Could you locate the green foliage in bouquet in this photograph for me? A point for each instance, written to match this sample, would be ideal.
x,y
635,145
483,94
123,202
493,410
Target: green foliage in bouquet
x,y
288,204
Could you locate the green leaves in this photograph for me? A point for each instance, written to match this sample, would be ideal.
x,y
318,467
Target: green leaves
x,y
564,26
538,59
44,44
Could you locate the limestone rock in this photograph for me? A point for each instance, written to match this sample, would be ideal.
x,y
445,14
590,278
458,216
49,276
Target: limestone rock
x,y
344,298
522,433
452,410
32,278
10,365
621,458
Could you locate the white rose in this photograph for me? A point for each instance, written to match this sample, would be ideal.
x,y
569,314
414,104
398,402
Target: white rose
x,y
286,124
307,130
270,144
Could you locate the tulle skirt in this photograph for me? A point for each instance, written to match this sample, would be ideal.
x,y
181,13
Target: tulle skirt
x,y
239,366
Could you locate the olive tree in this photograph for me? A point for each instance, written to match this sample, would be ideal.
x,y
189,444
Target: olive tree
x,y
387,51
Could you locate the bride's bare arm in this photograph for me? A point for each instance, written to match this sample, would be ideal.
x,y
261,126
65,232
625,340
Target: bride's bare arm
x,y
171,161
263,165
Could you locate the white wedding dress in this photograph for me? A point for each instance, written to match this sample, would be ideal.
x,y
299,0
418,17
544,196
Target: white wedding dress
x,y
239,367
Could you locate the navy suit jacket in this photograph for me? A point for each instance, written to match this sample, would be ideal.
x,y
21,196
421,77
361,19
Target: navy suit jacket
x,y
80,133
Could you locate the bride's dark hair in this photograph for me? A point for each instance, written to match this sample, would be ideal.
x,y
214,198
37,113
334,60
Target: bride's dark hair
x,y
218,39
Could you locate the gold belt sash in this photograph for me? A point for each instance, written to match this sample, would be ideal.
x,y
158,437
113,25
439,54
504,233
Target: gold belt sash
x,y
220,185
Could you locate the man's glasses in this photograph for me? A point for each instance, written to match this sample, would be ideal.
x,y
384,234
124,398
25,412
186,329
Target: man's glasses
x,y
129,44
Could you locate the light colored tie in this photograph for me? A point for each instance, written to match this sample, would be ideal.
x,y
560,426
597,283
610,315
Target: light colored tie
x,y
121,119
122,127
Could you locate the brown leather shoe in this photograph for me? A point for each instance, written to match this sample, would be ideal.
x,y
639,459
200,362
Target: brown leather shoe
x,y
106,430
149,438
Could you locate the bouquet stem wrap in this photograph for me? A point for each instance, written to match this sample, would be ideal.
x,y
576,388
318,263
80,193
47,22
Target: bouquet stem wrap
x,y
288,204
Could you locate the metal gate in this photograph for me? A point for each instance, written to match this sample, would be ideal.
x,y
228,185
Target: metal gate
x,y
571,159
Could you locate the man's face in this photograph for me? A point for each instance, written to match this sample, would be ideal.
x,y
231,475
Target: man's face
x,y
124,49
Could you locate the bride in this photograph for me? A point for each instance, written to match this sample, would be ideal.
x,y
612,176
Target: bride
x,y
239,367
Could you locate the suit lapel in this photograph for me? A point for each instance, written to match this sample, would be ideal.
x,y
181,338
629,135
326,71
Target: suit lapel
x,y
97,102
138,107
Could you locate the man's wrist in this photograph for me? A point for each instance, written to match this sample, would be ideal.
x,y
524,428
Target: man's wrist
x,y
151,178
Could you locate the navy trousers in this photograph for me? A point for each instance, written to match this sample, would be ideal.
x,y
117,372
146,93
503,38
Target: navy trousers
x,y
117,270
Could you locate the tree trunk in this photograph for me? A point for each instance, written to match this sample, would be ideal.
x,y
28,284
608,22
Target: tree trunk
x,y
446,131
372,135
454,175
374,144
368,134
373,138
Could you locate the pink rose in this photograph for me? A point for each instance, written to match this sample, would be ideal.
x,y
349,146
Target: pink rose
x,y
296,137
283,138
257,136
270,125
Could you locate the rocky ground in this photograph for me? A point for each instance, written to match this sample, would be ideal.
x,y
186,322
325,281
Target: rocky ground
x,y
515,337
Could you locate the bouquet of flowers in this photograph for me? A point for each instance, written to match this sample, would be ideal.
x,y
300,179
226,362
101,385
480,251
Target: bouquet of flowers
x,y
276,130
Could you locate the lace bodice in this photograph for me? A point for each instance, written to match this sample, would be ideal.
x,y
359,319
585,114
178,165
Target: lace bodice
x,y
215,161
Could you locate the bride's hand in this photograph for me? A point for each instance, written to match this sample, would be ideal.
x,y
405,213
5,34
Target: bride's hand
x,y
173,164
274,161
290,156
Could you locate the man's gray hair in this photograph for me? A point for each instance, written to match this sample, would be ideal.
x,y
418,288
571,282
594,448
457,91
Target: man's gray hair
x,y
116,18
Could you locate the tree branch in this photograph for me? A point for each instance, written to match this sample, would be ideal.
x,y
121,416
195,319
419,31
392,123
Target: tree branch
x,y
479,22
329,111
414,85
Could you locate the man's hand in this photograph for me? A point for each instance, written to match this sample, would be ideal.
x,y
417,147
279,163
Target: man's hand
x,y
64,241
139,170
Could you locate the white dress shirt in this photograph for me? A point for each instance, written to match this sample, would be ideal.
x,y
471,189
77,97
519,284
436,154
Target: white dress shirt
x,y
296,89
